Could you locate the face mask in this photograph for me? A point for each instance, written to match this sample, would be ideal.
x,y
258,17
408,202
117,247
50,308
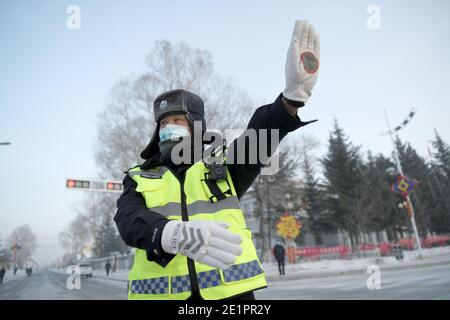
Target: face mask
x,y
173,132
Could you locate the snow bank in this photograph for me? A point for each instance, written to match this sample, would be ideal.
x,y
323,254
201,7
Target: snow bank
x,y
121,275
9,275
338,265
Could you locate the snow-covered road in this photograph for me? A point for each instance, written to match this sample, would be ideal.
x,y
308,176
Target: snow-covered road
x,y
420,283
431,282
52,285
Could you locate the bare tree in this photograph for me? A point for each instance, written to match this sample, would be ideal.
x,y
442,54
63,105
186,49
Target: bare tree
x,y
363,206
75,237
126,124
24,237
92,208
277,194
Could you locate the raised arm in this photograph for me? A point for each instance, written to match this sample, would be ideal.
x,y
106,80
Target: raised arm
x,y
301,71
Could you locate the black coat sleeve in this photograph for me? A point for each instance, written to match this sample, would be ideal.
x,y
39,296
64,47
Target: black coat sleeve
x,y
138,226
271,116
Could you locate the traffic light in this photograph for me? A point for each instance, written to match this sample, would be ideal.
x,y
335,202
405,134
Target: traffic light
x,y
95,185
113,186
84,184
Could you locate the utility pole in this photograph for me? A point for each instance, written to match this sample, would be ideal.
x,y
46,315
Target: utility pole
x,y
14,248
400,171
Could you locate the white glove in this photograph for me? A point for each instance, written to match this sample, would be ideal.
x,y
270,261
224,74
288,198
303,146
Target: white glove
x,y
207,242
302,63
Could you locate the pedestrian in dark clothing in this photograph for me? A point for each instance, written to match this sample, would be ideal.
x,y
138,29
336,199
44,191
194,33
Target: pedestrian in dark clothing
x,y
2,273
279,253
107,267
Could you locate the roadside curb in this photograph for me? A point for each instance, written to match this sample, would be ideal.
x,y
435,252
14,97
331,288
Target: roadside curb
x,y
330,274
108,278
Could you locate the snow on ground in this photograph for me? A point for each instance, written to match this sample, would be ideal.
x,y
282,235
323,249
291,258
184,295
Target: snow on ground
x,y
118,278
413,255
327,265
118,275
313,267
338,265
9,275
58,270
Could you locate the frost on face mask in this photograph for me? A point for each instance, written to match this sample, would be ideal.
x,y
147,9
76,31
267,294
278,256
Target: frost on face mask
x,y
173,132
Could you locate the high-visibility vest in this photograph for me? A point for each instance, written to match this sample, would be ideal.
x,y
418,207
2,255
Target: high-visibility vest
x,y
200,199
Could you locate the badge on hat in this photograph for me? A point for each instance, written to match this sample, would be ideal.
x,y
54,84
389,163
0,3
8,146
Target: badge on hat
x,y
163,104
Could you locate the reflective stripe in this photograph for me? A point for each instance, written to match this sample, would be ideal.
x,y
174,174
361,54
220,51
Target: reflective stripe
x,y
181,284
169,209
206,279
150,286
242,271
152,174
200,206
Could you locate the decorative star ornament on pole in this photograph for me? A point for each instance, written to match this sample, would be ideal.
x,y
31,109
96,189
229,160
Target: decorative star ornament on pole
x,y
404,185
403,124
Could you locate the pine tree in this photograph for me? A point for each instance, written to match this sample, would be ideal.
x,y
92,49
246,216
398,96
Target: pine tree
x,y
343,179
319,218
440,184
107,239
441,155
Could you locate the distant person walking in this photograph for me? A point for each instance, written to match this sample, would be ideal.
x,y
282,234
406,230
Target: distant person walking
x,y
107,267
2,273
279,253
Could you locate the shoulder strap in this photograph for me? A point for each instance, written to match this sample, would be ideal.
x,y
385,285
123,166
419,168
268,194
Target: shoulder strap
x,y
153,173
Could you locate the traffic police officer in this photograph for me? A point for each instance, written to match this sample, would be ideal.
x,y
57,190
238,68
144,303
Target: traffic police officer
x,y
184,218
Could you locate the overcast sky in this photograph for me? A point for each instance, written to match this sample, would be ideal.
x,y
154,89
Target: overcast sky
x,y
54,81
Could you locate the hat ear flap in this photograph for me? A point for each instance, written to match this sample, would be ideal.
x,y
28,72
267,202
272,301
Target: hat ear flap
x,y
191,120
153,147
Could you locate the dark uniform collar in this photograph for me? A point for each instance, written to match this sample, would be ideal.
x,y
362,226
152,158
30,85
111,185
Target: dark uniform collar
x,y
156,161
153,161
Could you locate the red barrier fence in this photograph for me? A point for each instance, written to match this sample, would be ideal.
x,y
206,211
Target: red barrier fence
x,y
436,241
429,242
317,251
384,249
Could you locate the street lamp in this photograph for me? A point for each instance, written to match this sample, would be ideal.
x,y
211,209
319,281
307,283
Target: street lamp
x,y
400,171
